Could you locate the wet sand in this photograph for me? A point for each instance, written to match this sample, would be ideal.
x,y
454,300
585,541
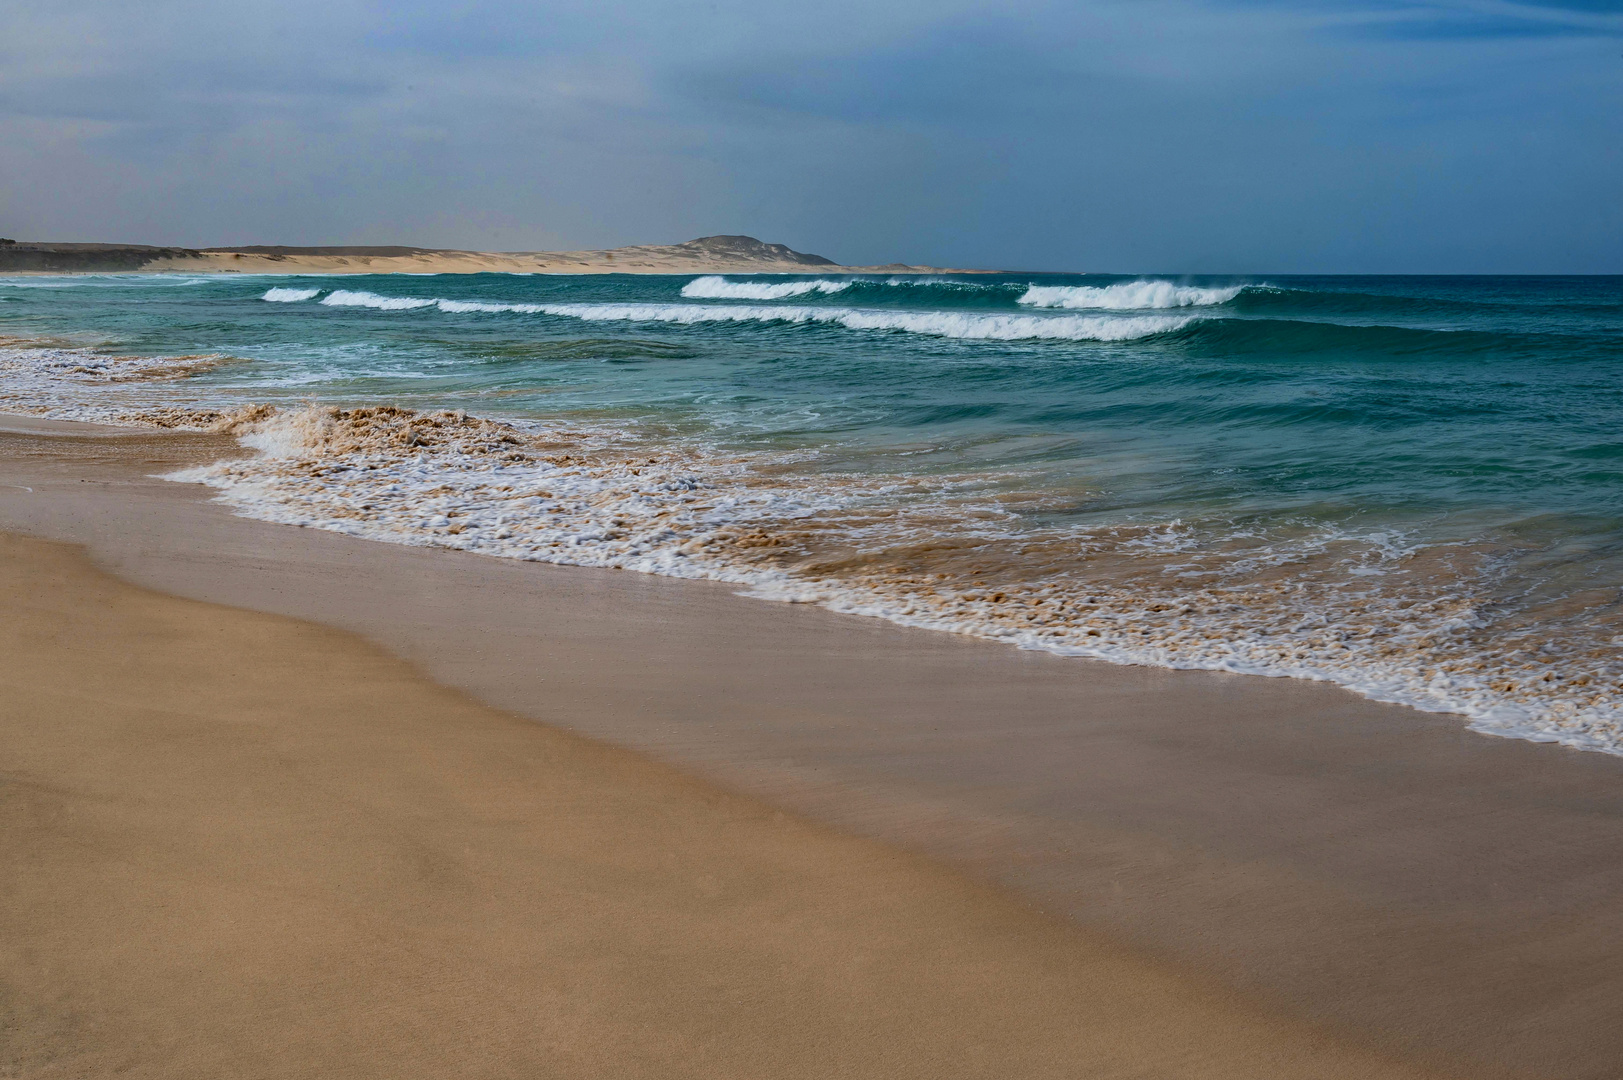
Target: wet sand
x,y
1375,875
241,845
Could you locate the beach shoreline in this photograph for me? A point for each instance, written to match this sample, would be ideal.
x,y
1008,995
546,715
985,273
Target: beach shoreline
x,y
214,872
788,435
239,843
1359,868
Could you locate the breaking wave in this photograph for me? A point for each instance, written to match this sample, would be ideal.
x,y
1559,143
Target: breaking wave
x,y
969,326
949,324
1128,296
349,298
289,296
719,288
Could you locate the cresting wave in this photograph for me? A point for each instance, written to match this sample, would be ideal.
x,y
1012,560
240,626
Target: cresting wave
x,y
353,298
1252,335
1375,612
289,296
1128,296
951,324
1142,295
719,288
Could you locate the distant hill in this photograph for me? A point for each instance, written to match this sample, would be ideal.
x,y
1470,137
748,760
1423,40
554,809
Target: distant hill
x,y
749,248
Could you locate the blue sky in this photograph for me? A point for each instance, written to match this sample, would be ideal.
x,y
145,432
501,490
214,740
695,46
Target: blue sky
x,y
1115,135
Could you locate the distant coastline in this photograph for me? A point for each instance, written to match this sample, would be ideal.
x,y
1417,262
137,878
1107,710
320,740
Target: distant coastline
x,y
706,255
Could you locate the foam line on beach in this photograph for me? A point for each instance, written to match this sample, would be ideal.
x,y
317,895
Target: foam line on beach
x,y
601,497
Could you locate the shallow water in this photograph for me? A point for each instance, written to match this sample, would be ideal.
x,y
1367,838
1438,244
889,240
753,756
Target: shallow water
x,y
1409,486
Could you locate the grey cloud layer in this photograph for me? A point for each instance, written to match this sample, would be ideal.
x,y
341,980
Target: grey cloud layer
x,y
1151,135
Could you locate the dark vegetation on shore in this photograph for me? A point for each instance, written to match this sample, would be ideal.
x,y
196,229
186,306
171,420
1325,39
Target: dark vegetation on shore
x,y
23,255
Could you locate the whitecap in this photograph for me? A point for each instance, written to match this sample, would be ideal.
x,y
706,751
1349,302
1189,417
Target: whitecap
x,y
1127,296
950,324
346,298
456,307
969,326
719,288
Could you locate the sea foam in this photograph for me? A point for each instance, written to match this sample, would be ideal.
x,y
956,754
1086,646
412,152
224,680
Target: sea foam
x,y
969,326
719,288
1127,296
350,298
69,382
949,324
1326,604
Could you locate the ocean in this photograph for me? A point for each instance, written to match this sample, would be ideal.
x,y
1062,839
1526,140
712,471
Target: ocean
x,y
1408,486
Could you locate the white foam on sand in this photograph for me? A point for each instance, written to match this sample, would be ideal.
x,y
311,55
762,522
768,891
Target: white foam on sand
x,y
1326,604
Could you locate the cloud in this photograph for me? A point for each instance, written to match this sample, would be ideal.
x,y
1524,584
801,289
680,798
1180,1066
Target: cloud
x,y
1111,134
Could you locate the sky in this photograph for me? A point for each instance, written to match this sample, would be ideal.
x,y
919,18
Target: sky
x,y
1171,136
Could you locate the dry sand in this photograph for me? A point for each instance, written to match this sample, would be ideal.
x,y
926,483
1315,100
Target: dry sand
x,y
1362,875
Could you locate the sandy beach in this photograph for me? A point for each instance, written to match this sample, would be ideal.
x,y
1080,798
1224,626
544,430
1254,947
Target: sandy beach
x,y
764,542
242,844
1125,871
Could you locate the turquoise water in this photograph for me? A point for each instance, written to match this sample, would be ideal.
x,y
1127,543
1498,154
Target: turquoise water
x,y
1411,486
